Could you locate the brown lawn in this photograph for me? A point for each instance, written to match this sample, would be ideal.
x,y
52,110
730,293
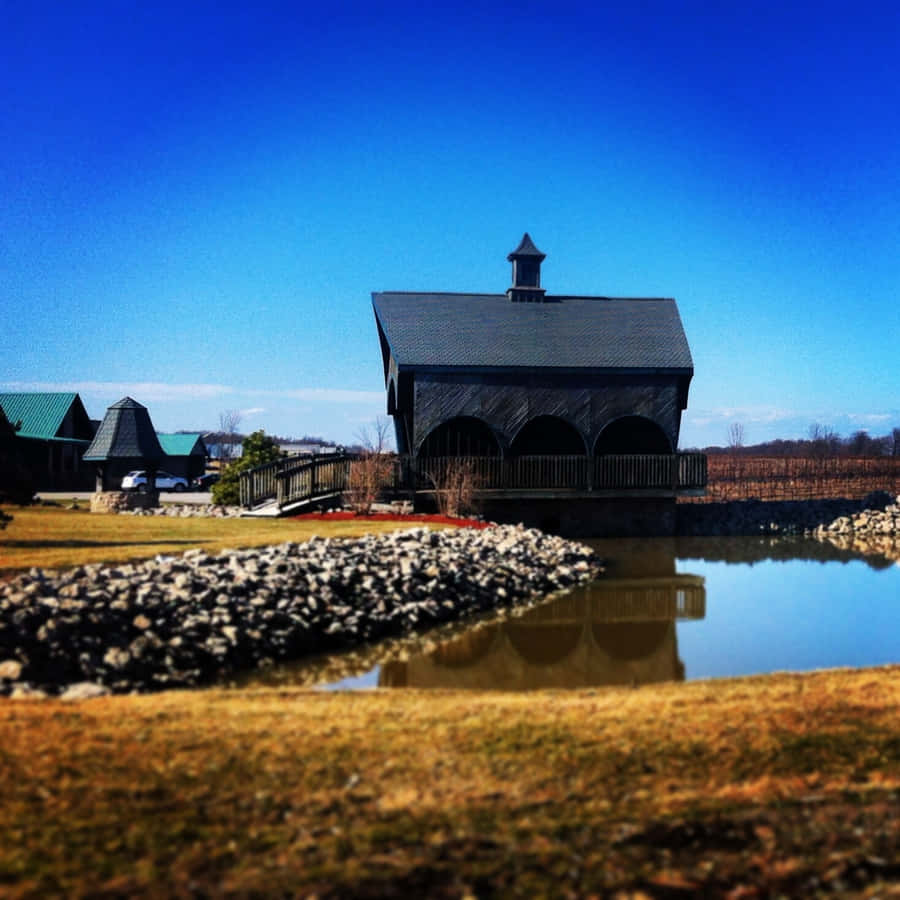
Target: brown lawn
x,y
783,785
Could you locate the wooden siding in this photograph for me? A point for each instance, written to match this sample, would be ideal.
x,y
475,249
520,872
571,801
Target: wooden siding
x,y
589,403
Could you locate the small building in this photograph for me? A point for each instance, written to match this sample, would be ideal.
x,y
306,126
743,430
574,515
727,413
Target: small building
x,y
124,441
550,398
185,455
53,430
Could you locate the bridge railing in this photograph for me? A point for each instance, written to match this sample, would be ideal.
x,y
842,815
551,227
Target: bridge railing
x,y
305,478
259,484
292,479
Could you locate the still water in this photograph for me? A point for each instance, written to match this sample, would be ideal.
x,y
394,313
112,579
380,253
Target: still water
x,y
665,610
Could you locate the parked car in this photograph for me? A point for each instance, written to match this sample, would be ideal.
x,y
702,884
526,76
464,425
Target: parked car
x,y
137,481
205,482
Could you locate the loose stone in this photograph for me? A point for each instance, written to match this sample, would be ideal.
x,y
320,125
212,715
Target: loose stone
x,y
178,622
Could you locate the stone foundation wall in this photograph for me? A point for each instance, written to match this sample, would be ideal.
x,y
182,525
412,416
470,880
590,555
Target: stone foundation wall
x,y
878,513
121,501
588,517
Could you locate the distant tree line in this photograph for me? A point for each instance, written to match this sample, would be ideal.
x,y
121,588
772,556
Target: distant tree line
x,y
822,443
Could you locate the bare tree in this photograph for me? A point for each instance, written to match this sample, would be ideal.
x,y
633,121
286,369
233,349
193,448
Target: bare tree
x,y
229,438
823,441
735,435
372,472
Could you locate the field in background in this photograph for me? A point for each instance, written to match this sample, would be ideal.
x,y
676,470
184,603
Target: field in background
x,y
736,477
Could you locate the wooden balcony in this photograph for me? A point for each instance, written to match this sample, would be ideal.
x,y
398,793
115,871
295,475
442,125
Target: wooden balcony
x,y
613,475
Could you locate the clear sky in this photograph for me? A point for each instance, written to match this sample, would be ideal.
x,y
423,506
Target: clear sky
x,y
197,199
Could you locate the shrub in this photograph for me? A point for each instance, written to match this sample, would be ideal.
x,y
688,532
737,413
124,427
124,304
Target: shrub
x,y
455,487
258,449
368,475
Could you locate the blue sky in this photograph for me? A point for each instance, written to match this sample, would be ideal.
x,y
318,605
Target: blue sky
x,y
197,200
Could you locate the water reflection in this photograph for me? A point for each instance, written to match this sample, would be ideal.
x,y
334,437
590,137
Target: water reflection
x,y
768,609
615,631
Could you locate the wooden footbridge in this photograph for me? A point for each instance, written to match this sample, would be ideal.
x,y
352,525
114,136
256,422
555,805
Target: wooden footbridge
x,y
297,481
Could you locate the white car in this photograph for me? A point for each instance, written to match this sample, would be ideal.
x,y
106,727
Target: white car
x,y
137,481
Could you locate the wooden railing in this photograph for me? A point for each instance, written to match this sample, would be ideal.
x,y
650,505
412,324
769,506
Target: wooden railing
x,y
636,471
654,598
294,479
307,478
259,484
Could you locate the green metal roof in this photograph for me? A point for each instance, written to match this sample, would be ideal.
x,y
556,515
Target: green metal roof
x,y
41,414
182,444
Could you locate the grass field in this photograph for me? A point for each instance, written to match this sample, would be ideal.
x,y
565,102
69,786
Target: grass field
x,y
54,537
784,785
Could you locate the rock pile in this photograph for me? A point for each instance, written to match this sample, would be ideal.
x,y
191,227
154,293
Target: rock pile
x,y
188,620
188,510
876,513
869,520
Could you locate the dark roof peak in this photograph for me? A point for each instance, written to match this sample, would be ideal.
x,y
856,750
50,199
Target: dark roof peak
x,y
526,248
127,403
126,432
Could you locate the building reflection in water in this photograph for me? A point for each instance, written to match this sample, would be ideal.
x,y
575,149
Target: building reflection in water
x,y
618,630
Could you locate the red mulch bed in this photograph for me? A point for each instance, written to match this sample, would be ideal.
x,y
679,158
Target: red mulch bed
x,y
412,518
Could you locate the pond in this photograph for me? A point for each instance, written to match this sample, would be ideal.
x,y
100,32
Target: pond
x,y
667,609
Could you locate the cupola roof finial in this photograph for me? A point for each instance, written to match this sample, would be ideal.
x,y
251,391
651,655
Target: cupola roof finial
x,y
526,248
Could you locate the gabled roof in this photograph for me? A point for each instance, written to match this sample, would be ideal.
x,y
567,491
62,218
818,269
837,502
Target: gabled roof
x,y
182,444
489,331
42,414
126,432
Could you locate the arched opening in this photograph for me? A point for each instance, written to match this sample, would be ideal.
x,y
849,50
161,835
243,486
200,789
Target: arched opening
x,y
632,434
467,649
462,436
547,436
545,644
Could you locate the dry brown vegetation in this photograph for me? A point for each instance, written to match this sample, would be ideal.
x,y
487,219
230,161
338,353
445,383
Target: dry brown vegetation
x,y
786,784
739,477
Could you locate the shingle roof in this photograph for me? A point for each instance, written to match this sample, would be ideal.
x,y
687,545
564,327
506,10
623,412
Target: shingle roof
x,y
126,432
526,248
41,414
181,444
487,330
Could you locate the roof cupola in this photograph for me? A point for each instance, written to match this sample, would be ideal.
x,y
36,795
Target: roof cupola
x,y
526,262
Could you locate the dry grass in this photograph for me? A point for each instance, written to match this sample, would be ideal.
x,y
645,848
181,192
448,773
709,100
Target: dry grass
x,y
51,537
753,786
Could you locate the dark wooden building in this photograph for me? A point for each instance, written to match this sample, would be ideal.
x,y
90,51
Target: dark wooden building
x,y
552,397
53,431
124,441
